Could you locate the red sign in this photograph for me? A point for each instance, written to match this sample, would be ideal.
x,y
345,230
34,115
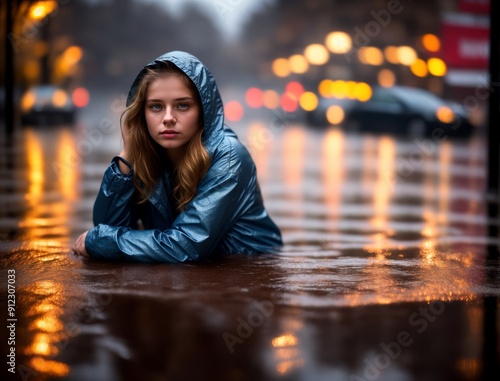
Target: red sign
x,y
475,6
465,46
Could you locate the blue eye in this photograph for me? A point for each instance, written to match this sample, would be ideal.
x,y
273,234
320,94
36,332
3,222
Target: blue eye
x,y
182,106
156,107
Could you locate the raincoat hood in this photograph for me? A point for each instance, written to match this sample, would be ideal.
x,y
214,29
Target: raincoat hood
x,y
213,109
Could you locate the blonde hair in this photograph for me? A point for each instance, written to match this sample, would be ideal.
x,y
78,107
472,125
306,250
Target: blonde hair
x,y
148,156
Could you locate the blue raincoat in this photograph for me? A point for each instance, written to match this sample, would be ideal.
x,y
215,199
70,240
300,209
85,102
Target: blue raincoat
x,y
227,215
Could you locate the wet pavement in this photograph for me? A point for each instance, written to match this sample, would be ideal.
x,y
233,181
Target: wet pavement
x,y
385,273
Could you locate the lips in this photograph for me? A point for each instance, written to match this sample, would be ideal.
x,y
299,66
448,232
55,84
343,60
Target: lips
x,y
169,134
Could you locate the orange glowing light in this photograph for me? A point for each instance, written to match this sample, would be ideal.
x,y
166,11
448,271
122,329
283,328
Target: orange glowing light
x,y
370,55
391,54
281,67
28,101
325,88
386,78
335,114
298,64
233,111
41,9
445,114
419,68
285,340
59,98
80,97
270,99
431,43
73,54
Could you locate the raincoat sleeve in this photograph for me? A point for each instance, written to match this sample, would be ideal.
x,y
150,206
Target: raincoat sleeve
x,y
114,204
196,232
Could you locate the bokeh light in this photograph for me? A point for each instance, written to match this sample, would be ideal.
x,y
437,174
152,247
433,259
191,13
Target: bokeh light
x,y
270,99
233,111
308,101
386,78
254,97
436,67
406,55
316,54
41,9
289,102
59,98
445,114
80,97
431,43
419,68
295,88
362,91
324,88
298,64
391,54
371,55
281,67
28,100
338,42
335,114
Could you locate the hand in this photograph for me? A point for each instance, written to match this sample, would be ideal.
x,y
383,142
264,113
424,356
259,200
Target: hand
x,y
79,246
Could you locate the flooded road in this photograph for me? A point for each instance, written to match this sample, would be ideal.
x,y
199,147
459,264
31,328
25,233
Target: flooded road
x,y
384,275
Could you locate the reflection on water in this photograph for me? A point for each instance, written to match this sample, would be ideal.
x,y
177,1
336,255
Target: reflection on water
x,y
375,229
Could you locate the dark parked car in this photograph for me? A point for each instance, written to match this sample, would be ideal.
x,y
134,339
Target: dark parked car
x,y
47,104
401,110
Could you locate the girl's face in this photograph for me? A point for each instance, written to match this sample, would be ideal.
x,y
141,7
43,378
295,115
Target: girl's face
x,y
172,114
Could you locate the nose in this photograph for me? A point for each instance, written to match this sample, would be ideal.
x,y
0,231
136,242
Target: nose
x,y
168,117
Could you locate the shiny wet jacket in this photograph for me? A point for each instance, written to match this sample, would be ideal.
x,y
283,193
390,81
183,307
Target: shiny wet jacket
x,y
226,216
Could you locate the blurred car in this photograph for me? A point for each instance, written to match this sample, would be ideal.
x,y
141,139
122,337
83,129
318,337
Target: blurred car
x,y
400,110
47,104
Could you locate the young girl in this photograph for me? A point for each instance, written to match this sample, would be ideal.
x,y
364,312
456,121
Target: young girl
x,y
183,186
